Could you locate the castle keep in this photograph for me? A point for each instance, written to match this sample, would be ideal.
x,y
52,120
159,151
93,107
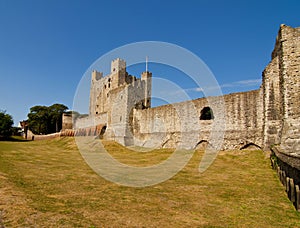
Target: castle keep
x,y
120,104
113,98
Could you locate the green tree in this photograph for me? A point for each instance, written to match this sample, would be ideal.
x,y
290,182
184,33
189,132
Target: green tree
x,y
6,122
16,131
38,119
56,111
46,120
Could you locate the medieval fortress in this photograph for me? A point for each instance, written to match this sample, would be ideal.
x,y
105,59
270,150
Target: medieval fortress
x,y
120,108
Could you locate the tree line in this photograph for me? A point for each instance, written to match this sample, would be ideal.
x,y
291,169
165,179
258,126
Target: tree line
x,y
46,119
41,120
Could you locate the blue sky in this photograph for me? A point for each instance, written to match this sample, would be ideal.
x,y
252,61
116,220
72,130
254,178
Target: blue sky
x,y
46,46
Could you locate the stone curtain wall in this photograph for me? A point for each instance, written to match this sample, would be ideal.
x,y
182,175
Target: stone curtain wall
x,y
265,117
273,103
162,126
88,121
243,119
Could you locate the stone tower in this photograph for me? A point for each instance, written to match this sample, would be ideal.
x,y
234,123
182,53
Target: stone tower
x,y
113,98
288,41
281,89
147,78
95,86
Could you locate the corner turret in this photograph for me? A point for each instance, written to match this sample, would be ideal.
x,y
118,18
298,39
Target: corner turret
x,y
147,78
96,75
117,65
118,72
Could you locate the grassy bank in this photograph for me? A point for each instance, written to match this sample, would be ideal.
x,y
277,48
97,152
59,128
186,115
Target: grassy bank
x,y
48,184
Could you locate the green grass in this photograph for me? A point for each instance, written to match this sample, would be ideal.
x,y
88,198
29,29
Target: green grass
x,y
48,184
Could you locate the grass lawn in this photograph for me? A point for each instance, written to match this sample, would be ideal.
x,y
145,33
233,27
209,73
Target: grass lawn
x,y
48,184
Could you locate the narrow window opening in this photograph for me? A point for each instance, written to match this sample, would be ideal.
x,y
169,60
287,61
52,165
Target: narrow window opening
x,y
206,114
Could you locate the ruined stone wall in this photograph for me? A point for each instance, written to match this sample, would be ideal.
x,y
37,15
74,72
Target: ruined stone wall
x,y
272,103
289,39
164,126
281,92
243,119
89,121
67,121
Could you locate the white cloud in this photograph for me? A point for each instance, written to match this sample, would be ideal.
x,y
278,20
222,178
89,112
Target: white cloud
x,y
243,83
237,84
166,93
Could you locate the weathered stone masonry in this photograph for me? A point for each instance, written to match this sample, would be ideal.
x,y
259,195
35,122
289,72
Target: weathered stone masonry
x,y
281,92
264,117
243,127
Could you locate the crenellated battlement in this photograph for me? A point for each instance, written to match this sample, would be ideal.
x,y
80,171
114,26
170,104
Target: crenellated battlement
x,y
117,65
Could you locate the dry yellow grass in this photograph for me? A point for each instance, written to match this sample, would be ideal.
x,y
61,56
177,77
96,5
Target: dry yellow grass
x,y
48,184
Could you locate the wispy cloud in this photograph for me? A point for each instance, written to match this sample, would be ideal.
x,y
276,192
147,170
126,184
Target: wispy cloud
x,y
237,84
169,94
243,83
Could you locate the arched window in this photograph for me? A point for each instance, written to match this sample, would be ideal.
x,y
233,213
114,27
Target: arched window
x,y
206,114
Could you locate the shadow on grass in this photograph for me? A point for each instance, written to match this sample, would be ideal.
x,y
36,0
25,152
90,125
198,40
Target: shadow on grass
x,y
14,139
